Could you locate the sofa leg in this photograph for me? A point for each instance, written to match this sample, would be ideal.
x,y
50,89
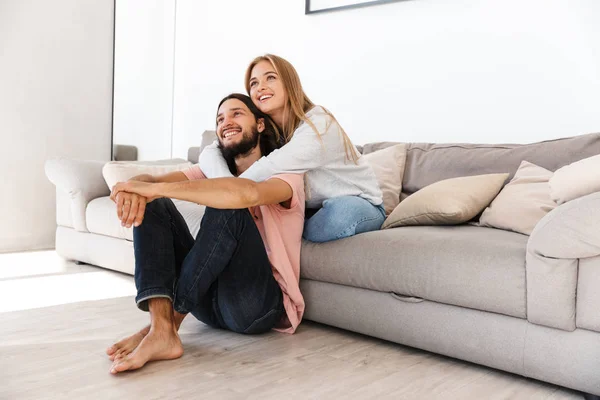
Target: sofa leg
x,y
79,263
588,396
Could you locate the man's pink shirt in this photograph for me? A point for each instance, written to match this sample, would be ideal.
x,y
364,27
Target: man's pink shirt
x,y
281,231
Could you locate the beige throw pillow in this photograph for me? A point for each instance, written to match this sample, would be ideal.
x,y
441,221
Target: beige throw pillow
x,y
121,171
523,202
576,180
388,165
448,202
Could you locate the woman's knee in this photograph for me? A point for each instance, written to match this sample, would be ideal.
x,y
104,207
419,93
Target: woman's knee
x,y
342,217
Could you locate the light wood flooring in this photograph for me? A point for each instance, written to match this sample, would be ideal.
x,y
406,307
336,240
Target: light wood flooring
x,y
57,352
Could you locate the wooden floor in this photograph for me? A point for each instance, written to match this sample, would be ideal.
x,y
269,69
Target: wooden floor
x,y
58,353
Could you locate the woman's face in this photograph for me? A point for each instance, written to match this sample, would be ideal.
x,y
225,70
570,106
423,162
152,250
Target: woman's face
x,y
266,89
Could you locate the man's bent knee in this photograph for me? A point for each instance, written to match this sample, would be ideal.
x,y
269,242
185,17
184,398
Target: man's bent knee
x,y
160,206
162,202
225,214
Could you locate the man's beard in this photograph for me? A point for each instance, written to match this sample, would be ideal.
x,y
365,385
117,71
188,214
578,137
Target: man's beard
x,y
245,146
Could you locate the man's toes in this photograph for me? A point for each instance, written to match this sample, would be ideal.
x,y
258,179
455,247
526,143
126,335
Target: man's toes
x,y
119,366
115,354
111,350
124,364
121,353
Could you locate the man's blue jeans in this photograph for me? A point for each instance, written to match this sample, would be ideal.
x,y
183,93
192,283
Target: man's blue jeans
x,y
224,277
342,217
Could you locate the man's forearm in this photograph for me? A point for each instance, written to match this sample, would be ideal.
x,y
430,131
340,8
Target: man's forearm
x,y
176,176
223,193
144,178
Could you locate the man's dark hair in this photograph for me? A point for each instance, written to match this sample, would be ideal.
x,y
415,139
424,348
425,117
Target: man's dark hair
x,y
269,139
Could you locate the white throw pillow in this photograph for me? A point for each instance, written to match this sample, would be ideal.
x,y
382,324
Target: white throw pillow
x,y
576,180
121,171
523,202
388,165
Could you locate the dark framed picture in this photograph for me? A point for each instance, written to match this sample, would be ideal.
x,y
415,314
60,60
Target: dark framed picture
x,y
319,6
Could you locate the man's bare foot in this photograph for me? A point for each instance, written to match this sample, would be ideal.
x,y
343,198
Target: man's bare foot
x,y
127,345
158,344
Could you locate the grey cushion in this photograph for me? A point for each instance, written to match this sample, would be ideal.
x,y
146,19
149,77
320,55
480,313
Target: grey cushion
x,y
427,163
468,266
123,152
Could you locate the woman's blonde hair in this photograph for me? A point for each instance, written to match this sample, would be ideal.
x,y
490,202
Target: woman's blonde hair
x,y
298,103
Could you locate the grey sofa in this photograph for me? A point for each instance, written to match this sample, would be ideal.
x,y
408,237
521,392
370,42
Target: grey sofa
x,y
524,304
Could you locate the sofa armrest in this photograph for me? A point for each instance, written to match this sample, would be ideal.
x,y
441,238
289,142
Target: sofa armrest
x,y
566,234
82,181
571,230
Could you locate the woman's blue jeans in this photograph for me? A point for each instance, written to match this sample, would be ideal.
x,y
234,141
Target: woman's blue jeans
x,y
223,277
342,217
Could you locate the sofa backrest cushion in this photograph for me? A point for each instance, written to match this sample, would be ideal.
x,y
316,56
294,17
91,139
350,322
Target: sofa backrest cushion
x,y
427,163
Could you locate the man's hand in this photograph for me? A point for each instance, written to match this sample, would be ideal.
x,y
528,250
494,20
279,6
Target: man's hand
x,y
148,190
131,208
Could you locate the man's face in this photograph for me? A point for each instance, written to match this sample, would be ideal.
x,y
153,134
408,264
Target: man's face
x,y
237,128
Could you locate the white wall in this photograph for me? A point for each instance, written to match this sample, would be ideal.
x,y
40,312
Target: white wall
x,y
55,100
422,70
144,45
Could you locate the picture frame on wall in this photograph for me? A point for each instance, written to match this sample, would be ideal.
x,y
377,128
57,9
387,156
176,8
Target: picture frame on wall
x,y
320,6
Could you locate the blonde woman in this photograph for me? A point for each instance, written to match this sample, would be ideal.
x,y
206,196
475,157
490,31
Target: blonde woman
x,y
343,197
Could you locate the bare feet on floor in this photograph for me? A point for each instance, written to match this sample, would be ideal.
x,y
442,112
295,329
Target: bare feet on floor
x,y
157,344
127,345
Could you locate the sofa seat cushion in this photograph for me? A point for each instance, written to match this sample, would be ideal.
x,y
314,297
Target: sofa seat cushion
x,y
467,266
101,218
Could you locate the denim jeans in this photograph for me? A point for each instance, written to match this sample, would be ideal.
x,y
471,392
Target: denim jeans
x,y
223,278
342,217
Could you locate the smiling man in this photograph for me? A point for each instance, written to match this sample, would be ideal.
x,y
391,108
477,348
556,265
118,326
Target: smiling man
x,y
242,271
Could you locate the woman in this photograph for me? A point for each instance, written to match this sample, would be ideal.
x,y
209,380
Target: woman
x,y
342,194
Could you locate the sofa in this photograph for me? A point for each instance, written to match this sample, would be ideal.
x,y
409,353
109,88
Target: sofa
x,y
524,304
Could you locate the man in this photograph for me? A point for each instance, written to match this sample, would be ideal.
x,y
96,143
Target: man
x,y
242,271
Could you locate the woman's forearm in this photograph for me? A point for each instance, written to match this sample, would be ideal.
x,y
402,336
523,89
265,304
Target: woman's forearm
x,y
212,163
